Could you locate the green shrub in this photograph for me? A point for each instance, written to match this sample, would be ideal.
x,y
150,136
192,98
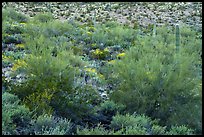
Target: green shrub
x,y
14,28
9,14
110,36
136,130
98,130
12,39
14,115
134,125
122,121
109,107
52,72
155,80
77,105
180,130
43,17
158,130
50,125
57,28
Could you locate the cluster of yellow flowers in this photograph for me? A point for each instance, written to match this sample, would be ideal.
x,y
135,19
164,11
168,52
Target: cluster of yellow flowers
x,y
93,44
89,33
150,75
106,50
98,52
23,23
20,45
101,52
19,63
111,62
92,28
121,55
90,70
4,57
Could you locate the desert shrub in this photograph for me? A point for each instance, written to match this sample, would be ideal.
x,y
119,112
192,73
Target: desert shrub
x,y
158,130
98,130
106,110
52,71
136,130
78,105
15,117
50,125
180,130
12,39
134,125
110,36
54,28
43,17
14,28
9,14
154,79
57,28
109,107
123,121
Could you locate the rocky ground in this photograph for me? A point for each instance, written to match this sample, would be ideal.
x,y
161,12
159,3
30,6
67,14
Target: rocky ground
x,y
141,13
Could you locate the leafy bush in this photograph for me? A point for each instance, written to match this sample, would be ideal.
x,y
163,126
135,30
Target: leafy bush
x,y
155,80
50,125
43,17
77,105
15,117
121,121
180,130
116,35
134,125
9,14
158,130
99,130
14,28
109,107
106,110
52,72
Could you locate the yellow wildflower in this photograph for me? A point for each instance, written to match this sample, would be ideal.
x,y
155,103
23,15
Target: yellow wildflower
x,y
4,57
106,50
98,51
20,45
101,76
90,70
121,55
89,33
111,62
93,44
18,64
23,23
14,25
92,28
8,58
150,75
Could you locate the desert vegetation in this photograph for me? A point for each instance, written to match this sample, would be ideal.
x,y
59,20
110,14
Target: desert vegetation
x,y
84,74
